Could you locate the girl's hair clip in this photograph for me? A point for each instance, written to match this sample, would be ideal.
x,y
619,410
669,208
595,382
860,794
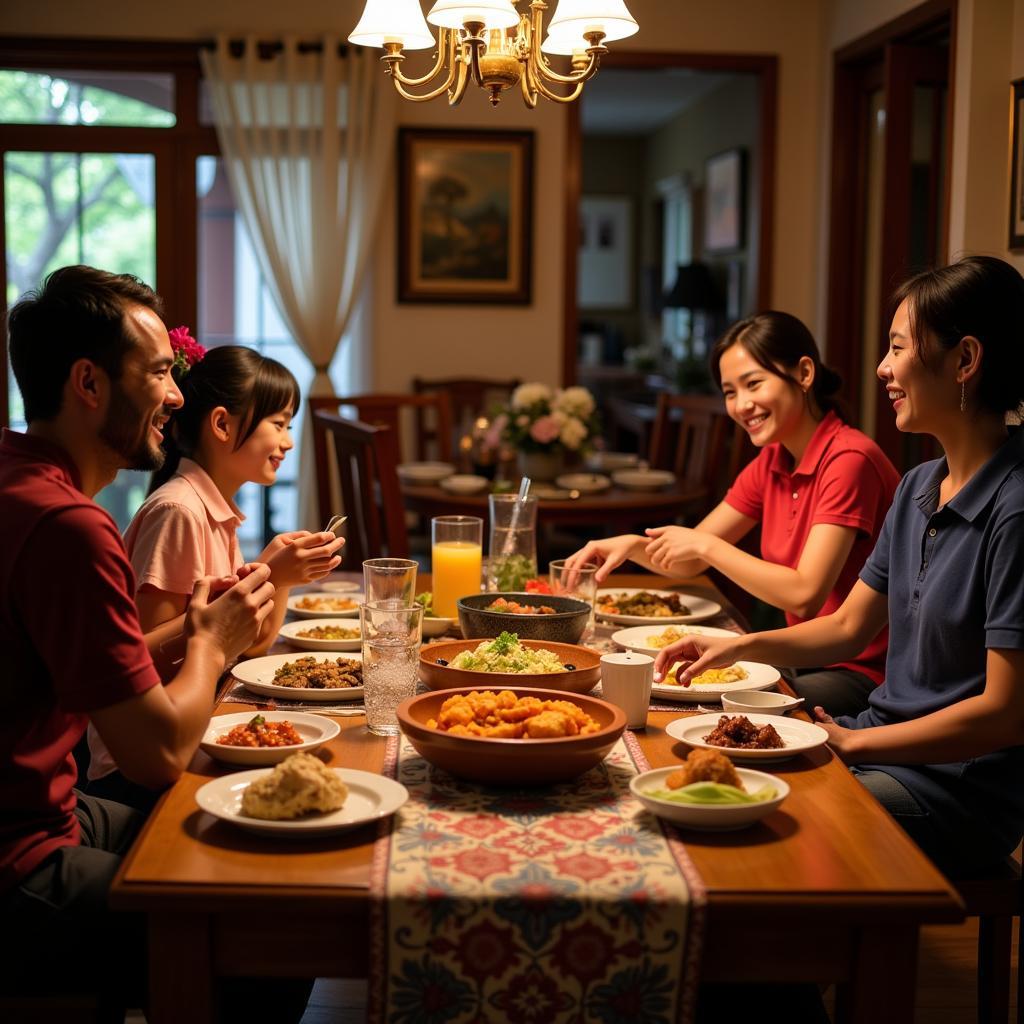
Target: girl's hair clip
x,y
187,351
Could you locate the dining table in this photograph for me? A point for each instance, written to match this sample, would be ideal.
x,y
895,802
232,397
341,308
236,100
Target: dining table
x,y
825,889
616,508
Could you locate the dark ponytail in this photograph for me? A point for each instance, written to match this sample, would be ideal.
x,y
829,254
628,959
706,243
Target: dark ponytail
x,y
247,384
776,340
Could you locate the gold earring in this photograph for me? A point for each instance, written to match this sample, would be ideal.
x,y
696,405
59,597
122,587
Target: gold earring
x,y
963,395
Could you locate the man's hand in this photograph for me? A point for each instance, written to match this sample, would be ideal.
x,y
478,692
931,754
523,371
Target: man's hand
x,y
232,622
839,739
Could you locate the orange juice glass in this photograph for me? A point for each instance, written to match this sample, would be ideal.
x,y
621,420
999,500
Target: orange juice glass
x,y
456,557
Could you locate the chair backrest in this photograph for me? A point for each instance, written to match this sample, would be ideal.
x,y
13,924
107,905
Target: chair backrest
x,y
365,456
430,411
470,397
694,437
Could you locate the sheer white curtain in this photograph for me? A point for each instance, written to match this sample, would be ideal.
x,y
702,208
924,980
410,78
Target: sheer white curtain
x,y
306,138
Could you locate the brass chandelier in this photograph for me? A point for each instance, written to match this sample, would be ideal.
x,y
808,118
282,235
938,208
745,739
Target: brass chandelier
x,y
491,43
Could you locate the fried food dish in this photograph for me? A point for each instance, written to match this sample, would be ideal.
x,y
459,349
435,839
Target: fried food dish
x,y
642,603
258,732
299,785
739,732
515,608
504,716
328,633
326,604
308,673
712,677
704,766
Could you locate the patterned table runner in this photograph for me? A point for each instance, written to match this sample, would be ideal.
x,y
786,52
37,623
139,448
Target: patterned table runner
x,y
531,906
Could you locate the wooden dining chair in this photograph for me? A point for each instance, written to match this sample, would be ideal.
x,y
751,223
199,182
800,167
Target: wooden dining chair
x,y
470,397
430,412
694,437
996,898
365,457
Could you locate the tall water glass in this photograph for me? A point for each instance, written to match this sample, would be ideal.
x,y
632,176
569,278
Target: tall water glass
x,y
512,557
389,579
391,649
456,555
580,583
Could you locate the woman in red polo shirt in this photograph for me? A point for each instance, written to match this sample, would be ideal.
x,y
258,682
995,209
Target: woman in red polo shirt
x,y
819,489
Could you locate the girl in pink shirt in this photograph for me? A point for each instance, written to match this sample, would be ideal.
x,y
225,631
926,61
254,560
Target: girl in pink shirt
x,y
232,429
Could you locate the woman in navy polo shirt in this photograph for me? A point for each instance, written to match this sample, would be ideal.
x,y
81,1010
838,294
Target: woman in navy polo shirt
x,y
819,490
941,743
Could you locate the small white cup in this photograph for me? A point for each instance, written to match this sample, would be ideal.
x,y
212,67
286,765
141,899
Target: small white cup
x,y
626,680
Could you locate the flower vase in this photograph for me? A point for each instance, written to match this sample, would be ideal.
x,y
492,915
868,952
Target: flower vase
x,y
541,466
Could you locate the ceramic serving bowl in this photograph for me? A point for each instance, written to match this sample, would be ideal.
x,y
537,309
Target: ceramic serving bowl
x,y
580,679
510,762
760,701
566,626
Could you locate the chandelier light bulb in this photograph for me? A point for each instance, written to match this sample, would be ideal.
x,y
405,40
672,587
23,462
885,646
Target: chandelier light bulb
x,y
387,21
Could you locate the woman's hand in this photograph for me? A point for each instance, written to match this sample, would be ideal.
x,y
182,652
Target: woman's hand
x,y
669,544
608,554
839,739
696,654
301,557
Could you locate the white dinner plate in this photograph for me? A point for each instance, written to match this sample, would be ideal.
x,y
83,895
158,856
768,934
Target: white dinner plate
x,y
643,479
700,608
465,483
585,483
798,736
258,676
333,605
709,817
637,638
315,731
608,462
290,631
370,797
759,677
424,472
339,586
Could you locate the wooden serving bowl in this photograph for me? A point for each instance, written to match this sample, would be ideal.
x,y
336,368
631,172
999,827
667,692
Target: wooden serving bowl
x,y
507,762
441,677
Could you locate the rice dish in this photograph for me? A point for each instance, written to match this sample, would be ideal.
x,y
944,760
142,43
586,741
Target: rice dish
x,y
506,654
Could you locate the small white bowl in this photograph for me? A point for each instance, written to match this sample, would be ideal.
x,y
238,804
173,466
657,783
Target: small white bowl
x,y
585,483
424,472
761,701
608,462
315,730
465,483
643,479
434,626
709,817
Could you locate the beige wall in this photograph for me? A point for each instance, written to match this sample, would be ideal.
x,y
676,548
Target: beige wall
x,y
526,342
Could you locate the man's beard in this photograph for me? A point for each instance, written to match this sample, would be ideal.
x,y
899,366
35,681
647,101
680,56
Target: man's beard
x,y
127,434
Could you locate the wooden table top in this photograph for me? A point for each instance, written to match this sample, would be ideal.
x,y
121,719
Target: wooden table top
x,y
829,851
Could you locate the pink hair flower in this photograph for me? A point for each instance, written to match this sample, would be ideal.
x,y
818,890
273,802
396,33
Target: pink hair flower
x,y
187,351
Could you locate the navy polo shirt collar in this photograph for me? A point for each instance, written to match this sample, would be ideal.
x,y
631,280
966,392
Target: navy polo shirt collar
x,y
975,496
782,461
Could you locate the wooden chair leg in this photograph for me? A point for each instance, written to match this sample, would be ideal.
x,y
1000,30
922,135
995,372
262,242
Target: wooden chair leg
x,y
995,936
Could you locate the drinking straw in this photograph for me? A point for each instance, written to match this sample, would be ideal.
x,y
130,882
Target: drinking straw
x,y
510,538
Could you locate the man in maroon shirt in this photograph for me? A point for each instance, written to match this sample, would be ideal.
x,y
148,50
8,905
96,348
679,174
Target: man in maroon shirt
x,y
92,359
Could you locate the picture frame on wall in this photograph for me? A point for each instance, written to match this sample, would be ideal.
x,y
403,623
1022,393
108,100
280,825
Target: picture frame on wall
x,y
1017,169
465,210
724,201
605,276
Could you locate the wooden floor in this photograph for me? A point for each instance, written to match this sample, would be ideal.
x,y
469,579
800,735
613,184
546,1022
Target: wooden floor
x,y
945,983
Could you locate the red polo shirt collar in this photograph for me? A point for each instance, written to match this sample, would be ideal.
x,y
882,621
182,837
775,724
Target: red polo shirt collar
x,y
32,446
781,460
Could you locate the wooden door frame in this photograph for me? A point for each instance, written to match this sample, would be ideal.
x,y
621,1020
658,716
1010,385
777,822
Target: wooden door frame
x,y
844,319
766,67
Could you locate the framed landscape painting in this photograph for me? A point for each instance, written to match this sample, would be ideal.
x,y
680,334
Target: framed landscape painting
x,y
724,201
464,215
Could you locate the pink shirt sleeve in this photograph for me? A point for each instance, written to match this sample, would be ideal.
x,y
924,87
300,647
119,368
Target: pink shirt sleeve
x,y
747,492
167,548
849,493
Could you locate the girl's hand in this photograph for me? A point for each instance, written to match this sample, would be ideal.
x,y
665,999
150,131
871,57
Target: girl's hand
x,y
607,554
302,557
670,544
696,654
839,739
